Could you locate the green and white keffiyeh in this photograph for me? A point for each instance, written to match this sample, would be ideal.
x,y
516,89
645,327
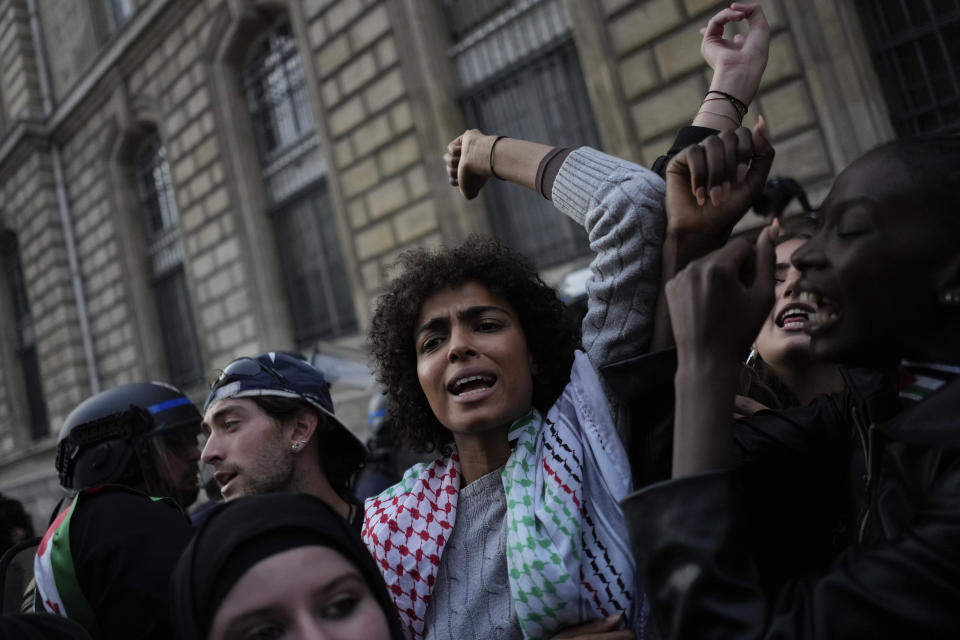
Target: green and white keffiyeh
x,y
568,558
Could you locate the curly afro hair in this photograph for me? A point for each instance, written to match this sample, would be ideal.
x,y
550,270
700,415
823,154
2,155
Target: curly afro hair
x,y
551,336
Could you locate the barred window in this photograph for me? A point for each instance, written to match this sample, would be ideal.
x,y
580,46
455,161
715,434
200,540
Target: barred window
x,y
915,46
26,339
521,77
294,175
165,253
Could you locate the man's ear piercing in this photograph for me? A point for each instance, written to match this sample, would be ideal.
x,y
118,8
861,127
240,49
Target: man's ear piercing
x,y
296,445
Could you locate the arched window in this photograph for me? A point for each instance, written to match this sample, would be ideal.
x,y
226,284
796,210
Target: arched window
x,y
294,175
160,223
26,342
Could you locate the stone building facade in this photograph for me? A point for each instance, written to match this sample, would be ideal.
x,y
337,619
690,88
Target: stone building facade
x,y
184,181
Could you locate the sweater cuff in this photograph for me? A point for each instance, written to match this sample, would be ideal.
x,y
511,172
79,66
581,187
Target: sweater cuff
x,y
581,178
685,137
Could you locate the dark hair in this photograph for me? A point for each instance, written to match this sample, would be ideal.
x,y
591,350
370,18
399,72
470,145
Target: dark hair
x,y
932,165
550,337
798,226
13,516
339,469
760,383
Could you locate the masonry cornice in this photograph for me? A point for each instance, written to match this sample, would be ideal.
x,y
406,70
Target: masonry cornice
x,y
123,54
26,137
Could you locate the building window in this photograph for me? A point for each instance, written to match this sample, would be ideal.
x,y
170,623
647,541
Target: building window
x,y
915,46
294,174
26,339
165,252
118,12
520,76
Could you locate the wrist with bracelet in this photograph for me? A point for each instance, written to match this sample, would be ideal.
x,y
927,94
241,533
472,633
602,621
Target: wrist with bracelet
x,y
738,105
492,147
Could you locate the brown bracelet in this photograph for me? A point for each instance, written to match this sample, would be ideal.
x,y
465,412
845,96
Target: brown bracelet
x,y
492,172
738,104
722,115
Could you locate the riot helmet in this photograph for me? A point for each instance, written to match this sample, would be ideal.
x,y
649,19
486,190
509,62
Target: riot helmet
x,y
141,435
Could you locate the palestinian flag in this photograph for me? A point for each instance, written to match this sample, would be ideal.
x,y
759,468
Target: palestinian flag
x,y
56,576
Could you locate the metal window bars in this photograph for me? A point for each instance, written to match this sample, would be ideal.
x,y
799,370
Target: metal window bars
x,y
293,170
915,46
160,219
521,77
26,341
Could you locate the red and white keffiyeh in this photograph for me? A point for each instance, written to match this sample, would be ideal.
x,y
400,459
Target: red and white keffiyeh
x,y
568,559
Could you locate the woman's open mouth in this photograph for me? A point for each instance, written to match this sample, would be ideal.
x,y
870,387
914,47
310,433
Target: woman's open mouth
x,y
795,316
471,386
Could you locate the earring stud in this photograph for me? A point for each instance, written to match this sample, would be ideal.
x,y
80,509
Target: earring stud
x,y
950,297
296,445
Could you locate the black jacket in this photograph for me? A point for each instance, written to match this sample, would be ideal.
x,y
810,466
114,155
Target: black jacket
x,y
842,520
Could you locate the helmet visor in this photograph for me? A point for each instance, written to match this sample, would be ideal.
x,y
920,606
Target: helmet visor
x,y
174,463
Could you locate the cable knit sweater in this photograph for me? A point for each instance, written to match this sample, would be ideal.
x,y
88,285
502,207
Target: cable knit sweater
x,y
620,204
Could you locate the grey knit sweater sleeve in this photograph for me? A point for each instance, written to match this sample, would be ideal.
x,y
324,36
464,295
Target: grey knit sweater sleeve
x,y
620,204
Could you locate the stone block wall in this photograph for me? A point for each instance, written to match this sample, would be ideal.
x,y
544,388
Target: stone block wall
x,y
29,201
655,45
18,71
385,102
371,127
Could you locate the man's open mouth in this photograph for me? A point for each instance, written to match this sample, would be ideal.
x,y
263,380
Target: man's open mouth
x,y
224,477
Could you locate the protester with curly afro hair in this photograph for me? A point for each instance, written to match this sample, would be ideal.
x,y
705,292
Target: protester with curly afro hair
x,y
551,338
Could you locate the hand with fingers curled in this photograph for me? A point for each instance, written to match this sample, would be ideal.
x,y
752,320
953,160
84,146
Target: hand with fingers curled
x,y
467,161
718,302
711,185
738,63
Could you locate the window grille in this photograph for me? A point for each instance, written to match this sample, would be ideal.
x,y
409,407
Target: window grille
x,y
294,175
165,252
521,77
26,342
915,45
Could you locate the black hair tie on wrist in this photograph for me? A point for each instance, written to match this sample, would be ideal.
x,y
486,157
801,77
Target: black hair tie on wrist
x,y
492,172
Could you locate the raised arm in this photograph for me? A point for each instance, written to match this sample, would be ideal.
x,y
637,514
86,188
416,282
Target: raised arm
x,y
737,64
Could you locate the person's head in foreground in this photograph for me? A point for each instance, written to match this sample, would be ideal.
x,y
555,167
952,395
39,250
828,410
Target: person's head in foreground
x,y
885,268
270,427
466,341
141,435
278,566
785,373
